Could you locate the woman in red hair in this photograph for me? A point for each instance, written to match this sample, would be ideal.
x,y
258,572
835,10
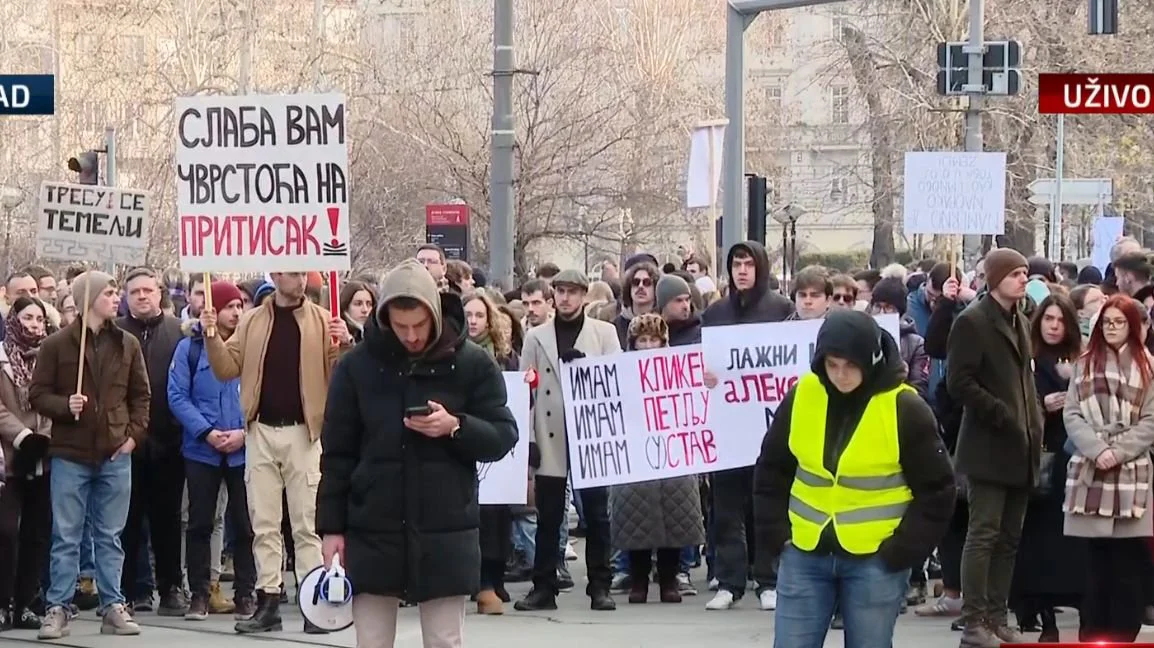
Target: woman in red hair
x,y
1109,416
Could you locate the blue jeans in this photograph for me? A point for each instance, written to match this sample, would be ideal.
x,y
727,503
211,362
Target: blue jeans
x,y
87,557
81,493
688,556
810,586
525,536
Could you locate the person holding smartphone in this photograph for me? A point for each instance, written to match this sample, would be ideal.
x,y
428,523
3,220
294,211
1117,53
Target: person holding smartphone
x,y
409,414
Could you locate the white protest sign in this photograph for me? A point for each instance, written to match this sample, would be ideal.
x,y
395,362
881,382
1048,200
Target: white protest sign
x,y
639,416
92,223
262,183
954,193
505,481
753,378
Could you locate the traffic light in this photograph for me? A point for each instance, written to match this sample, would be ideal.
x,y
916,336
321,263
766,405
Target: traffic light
x,y
87,164
757,205
1103,17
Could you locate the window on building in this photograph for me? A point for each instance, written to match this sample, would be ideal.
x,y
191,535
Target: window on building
x,y
776,29
839,190
839,104
774,107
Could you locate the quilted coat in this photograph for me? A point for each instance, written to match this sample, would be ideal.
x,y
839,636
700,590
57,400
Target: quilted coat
x,y
665,513
656,514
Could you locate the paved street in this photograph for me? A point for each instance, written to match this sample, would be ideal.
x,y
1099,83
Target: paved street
x,y
572,626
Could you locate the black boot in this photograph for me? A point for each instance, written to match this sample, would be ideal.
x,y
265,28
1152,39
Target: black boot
x,y
313,629
538,598
1049,626
267,617
601,601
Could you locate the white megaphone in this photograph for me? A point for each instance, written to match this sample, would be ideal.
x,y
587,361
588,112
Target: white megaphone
x,y
326,597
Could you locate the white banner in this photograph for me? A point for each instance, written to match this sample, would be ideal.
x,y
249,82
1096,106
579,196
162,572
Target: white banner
x,y
754,377
954,193
506,481
92,223
262,183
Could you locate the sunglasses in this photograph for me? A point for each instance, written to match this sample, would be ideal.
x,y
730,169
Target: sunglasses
x,y
844,299
642,281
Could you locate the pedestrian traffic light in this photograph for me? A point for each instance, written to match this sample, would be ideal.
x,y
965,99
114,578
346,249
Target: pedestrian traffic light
x,y
1103,17
87,164
757,207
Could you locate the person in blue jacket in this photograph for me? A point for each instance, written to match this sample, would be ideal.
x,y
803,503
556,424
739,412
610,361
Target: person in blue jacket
x,y
212,420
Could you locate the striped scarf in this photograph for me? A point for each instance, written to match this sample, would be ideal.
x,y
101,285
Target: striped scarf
x,y
1110,402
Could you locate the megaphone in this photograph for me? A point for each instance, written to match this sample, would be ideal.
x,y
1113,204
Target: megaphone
x,y
326,597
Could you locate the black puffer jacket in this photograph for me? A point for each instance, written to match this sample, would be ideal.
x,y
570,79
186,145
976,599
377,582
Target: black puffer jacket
x,y
759,304
407,504
158,337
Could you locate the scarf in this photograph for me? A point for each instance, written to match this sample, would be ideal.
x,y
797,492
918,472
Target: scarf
x,y
485,341
21,347
1109,400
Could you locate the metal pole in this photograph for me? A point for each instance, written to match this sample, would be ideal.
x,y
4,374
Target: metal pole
x,y
503,138
1055,248
110,156
319,44
245,80
972,243
733,167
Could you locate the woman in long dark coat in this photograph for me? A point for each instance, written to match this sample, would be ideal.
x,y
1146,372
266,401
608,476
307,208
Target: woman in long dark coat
x,y
1040,584
492,330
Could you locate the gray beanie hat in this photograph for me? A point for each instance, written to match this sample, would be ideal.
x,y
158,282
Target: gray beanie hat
x,y
670,287
90,284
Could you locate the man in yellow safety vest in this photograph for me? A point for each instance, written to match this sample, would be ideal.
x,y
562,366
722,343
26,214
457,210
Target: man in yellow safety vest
x,y
853,488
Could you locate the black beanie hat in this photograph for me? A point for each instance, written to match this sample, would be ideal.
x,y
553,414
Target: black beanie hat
x,y
1090,275
890,291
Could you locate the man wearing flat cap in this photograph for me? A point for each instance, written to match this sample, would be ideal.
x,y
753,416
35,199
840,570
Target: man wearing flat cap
x,y
568,336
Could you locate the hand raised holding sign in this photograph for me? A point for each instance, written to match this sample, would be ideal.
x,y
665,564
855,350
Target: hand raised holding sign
x,y
207,318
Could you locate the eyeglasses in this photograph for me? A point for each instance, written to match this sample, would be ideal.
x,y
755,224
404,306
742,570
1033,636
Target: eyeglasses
x,y
1114,323
843,298
642,281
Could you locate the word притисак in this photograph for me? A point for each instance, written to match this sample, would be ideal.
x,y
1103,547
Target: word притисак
x,y
246,235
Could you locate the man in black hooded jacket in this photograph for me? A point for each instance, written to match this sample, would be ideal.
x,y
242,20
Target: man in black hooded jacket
x,y
853,487
410,413
749,301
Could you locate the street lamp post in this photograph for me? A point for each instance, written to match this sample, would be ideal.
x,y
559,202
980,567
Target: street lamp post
x,y
739,16
788,217
10,199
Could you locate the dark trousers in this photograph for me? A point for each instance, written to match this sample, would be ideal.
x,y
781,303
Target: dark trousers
x,y
204,482
995,528
157,493
951,547
1115,590
492,574
25,531
641,563
733,533
551,510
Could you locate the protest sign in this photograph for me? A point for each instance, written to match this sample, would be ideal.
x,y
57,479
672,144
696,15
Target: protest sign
x,y
262,183
954,193
753,378
638,416
505,481
92,223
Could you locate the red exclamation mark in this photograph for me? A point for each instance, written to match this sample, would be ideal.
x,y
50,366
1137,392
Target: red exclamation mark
x,y
334,220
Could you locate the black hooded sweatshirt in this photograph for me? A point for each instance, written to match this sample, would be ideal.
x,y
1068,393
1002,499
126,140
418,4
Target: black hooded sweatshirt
x,y
856,337
756,305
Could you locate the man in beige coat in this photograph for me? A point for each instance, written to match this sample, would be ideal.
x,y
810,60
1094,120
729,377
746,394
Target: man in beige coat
x,y
569,335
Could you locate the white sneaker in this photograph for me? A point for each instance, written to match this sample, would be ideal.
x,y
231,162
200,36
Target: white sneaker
x,y
723,600
714,584
570,554
768,600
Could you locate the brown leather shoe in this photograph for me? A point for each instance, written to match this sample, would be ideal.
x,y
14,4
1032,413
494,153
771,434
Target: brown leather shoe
x,y
489,603
670,592
639,590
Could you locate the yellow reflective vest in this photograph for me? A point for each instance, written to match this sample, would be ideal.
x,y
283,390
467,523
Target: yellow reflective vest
x,y
867,497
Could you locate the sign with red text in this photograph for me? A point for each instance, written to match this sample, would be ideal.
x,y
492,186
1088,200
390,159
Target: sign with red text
x,y
1100,94
639,416
506,480
262,183
447,226
78,222
754,375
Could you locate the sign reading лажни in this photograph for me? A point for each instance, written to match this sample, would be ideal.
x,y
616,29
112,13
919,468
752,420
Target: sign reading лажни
x,y
84,222
262,183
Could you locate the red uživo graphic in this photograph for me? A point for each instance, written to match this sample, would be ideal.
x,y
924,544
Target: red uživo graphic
x,y
1105,94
